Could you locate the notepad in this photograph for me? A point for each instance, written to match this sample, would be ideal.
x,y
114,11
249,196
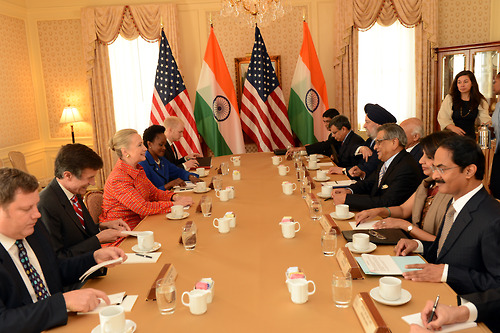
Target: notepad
x,y
133,258
363,226
416,319
126,301
341,183
98,266
387,265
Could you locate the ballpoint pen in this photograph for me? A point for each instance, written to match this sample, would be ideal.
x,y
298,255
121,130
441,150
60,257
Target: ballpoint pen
x,y
433,310
144,255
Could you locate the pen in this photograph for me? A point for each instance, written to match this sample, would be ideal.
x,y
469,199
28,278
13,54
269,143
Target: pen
x,y
144,255
433,309
330,198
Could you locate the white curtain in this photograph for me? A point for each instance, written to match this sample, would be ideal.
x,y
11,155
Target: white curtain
x,y
133,66
386,70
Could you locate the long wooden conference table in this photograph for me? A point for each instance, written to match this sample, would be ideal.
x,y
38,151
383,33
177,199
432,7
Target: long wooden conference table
x,y
248,266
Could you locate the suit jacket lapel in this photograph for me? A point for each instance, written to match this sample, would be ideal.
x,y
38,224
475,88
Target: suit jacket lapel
x,y
68,207
10,267
391,167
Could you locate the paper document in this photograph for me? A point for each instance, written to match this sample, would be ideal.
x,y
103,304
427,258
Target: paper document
x,y
341,183
386,265
187,188
134,258
415,319
363,226
130,233
325,164
126,301
98,266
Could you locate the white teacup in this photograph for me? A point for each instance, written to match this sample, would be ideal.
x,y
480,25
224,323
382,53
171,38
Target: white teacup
x,y
112,319
326,190
276,160
288,229
321,174
200,172
313,157
177,211
312,164
361,241
223,195
200,186
342,210
236,160
146,240
223,224
283,170
197,301
288,187
389,288
299,290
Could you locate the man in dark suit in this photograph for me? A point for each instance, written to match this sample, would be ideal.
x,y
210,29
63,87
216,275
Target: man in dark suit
x,y
31,276
414,130
465,251
375,116
481,307
340,128
174,129
395,180
328,147
72,230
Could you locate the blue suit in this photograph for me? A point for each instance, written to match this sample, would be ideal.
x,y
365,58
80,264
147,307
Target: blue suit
x,y
161,174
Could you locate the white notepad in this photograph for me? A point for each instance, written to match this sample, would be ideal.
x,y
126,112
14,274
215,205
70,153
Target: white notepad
x,y
416,319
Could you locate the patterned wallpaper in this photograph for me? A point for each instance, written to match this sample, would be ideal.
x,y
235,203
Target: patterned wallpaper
x,y
463,22
17,99
64,75
282,37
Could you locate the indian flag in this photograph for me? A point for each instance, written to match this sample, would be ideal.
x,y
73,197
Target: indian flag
x,y
216,110
308,97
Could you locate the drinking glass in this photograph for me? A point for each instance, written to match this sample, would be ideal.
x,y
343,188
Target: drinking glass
x,y
224,168
165,296
217,182
302,174
206,206
329,242
189,237
342,289
315,210
305,188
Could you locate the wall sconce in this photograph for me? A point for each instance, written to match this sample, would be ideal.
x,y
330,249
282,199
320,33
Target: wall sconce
x,y
70,115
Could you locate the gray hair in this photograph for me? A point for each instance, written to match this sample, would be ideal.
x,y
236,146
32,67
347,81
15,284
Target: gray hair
x,y
394,131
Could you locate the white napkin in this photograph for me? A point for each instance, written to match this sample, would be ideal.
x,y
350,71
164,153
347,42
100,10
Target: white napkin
x,y
98,266
133,258
126,301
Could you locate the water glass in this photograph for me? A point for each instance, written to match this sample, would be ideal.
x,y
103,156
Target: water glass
x,y
315,210
305,188
224,168
342,289
329,242
217,182
189,237
206,206
302,174
165,296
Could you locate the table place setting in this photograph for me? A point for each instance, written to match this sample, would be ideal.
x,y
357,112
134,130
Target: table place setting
x,y
142,258
125,301
361,244
321,176
342,212
112,319
389,292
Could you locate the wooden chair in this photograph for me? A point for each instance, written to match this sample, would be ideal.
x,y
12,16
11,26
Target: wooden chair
x,y
93,201
18,160
488,159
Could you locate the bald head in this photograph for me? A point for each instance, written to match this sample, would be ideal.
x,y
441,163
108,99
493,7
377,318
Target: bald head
x,y
414,130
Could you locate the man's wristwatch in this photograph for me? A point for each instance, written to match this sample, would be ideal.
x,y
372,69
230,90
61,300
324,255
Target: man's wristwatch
x,y
410,228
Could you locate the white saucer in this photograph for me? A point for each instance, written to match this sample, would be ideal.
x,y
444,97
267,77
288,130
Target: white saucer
x,y
371,248
156,247
321,195
349,216
170,217
405,297
316,168
130,327
205,191
321,180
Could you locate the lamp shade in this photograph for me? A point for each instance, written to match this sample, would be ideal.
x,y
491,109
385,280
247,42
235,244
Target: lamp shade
x,y
70,115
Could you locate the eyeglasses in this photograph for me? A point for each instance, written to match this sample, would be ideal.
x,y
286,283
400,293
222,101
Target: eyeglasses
x,y
376,234
378,141
440,169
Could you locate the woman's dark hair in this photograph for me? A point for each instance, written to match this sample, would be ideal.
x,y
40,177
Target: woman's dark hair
x,y
475,95
431,142
465,151
151,132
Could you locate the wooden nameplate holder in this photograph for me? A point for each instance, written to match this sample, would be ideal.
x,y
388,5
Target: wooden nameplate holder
x,y
348,264
328,223
167,272
368,315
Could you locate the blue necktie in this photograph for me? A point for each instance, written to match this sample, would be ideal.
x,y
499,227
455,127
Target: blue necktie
x,y
37,283
381,174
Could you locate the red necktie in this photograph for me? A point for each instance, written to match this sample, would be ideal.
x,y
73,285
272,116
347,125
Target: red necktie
x,y
78,210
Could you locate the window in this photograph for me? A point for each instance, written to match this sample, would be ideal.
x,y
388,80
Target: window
x,y
133,67
386,70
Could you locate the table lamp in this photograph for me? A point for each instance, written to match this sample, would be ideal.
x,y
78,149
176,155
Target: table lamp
x,y
70,115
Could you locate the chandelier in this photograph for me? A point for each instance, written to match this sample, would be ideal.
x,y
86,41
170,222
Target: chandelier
x,y
261,12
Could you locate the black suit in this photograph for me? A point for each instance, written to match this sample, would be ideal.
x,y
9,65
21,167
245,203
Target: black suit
x,y
472,247
328,147
400,180
347,149
67,234
417,153
171,156
18,313
368,166
488,305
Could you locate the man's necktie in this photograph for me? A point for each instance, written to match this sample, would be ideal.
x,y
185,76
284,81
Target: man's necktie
x,y
37,283
78,210
447,224
381,174
175,151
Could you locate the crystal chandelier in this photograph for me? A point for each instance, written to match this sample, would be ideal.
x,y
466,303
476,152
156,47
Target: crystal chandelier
x,y
261,12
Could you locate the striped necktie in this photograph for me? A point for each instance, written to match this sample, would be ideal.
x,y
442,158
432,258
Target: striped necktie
x,y
78,210
447,224
381,174
175,151
37,283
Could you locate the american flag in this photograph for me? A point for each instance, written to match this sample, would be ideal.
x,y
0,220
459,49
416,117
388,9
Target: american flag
x,y
263,111
170,98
